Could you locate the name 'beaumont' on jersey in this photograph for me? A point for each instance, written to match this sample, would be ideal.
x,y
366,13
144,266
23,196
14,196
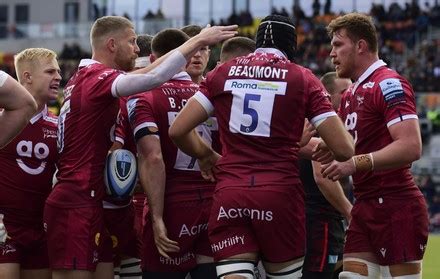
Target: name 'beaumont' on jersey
x,y
255,71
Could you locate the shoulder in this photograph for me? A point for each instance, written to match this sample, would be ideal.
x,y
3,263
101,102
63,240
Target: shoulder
x,y
388,81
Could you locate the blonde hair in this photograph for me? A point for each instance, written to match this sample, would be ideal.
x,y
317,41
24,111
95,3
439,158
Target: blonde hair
x,y
30,57
107,25
358,26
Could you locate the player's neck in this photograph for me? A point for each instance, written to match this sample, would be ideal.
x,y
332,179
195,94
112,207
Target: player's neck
x,y
364,64
104,59
197,79
41,105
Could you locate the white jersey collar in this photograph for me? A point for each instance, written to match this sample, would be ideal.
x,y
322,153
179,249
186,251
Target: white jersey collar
x,y
87,62
373,67
270,50
37,116
181,76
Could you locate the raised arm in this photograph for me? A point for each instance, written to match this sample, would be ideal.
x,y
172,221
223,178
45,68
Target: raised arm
x,y
18,107
170,64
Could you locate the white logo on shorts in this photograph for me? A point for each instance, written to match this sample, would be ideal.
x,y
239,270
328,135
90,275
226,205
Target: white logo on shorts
x,y
230,241
383,251
178,260
194,230
95,256
7,248
254,214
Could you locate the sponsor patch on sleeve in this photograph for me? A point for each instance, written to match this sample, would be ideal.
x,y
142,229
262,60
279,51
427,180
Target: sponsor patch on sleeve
x,y
392,91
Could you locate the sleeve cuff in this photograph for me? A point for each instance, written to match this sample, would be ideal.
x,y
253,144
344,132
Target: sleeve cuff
x,y
204,101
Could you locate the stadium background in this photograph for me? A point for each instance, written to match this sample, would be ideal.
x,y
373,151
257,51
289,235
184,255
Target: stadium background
x,y
409,42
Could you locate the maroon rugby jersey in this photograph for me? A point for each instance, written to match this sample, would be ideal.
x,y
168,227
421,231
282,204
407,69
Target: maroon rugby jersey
x,y
159,109
379,99
85,130
123,133
27,166
261,101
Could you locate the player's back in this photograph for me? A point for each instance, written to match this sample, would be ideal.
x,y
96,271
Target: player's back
x,y
27,166
158,108
261,101
84,135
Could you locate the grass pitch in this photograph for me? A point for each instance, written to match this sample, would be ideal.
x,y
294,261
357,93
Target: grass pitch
x,y
431,261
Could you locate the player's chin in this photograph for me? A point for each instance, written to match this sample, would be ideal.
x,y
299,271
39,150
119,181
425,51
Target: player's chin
x,y
341,73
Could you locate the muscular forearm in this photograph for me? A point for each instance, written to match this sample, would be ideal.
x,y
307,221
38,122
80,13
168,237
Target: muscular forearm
x,y
332,191
152,176
193,145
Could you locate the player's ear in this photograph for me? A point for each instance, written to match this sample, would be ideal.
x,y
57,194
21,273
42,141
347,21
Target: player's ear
x,y
27,77
362,46
111,44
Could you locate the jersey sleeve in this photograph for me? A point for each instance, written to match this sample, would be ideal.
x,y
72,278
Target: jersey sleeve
x,y
317,100
101,82
141,115
395,99
122,125
204,95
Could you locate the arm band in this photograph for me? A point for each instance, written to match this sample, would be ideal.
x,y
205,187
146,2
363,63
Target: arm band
x,y
145,132
363,162
126,85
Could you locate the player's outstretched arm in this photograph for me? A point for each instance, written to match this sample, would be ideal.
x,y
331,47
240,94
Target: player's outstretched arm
x,y
152,177
208,36
18,107
170,64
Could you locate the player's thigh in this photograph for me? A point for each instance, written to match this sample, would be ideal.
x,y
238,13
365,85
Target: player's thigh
x,y
358,234
71,274
278,219
9,271
398,229
103,271
76,237
36,273
410,270
120,224
230,230
184,225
